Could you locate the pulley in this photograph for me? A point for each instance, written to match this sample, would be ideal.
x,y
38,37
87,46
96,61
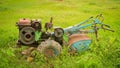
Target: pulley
x,y
27,35
59,32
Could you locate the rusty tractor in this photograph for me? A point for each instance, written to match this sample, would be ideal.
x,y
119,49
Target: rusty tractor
x,y
50,43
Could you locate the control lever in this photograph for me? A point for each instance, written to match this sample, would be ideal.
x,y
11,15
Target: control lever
x,y
103,26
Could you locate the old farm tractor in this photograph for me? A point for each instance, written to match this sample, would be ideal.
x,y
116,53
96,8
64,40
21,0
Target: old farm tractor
x,y
50,43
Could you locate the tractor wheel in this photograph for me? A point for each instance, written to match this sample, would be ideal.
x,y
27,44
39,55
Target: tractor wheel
x,y
49,48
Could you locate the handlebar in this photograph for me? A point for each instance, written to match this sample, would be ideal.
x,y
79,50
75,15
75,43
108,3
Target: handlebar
x,y
100,16
106,27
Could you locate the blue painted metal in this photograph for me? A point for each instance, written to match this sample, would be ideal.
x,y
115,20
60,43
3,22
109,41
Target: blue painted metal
x,y
74,29
55,51
81,45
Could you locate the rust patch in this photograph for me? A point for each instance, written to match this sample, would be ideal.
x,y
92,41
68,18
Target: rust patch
x,y
49,52
49,48
77,37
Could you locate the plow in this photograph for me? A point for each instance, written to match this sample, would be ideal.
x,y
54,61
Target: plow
x,y
50,43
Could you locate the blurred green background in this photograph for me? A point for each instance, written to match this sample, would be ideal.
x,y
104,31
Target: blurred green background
x,y
102,54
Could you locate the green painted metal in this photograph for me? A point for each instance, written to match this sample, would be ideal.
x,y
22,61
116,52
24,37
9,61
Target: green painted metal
x,y
37,35
65,37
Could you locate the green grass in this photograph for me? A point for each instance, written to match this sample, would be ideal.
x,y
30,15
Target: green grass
x,y
102,54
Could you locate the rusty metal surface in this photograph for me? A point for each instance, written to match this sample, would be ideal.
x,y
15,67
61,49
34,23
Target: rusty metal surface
x,y
36,24
58,35
58,32
77,37
28,51
49,25
49,48
26,35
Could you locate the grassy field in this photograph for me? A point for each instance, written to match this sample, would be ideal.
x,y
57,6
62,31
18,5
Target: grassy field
x,y
102,54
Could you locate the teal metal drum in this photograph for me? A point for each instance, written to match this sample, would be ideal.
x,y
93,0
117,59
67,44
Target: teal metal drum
x,y
79,42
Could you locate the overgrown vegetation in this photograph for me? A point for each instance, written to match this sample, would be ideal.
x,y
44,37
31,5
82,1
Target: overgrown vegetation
x,y
102,54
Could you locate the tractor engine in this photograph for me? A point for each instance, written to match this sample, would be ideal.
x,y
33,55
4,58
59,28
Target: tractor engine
x,y
27,30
